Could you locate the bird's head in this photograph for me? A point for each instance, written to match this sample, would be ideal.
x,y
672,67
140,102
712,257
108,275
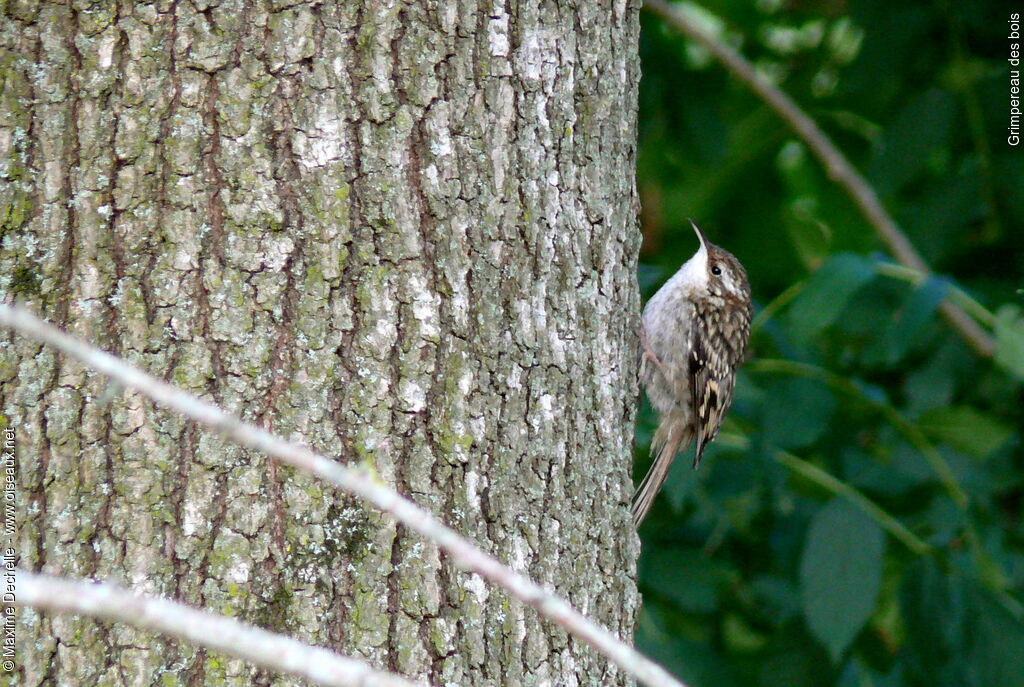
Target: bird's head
x,y
715,271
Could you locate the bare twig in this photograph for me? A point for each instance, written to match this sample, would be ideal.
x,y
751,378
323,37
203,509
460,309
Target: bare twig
x,y
277,652
357,481
835,163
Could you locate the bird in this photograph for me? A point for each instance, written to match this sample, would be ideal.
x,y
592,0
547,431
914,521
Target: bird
x,y
693,336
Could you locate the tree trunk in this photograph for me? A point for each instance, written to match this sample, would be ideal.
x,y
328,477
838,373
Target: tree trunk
x,y
403,233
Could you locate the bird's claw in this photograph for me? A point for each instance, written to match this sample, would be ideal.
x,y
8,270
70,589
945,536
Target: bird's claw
x,y
649,352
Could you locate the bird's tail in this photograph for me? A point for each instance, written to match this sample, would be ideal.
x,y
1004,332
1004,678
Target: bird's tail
x,y
667,442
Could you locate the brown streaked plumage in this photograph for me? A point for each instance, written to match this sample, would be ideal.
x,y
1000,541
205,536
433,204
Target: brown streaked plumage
x,y
695,331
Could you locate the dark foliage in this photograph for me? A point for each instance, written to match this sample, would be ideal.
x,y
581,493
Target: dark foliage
x,y
859,520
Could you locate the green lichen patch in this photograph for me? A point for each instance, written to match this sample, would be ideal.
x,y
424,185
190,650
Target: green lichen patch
x,y
25,282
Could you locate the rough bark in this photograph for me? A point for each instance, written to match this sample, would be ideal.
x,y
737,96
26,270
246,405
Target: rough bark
x,y
403,233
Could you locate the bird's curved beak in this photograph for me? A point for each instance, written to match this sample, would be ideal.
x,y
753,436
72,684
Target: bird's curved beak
x,y
700,234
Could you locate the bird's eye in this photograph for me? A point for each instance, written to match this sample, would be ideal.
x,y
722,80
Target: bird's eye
x,y
716,270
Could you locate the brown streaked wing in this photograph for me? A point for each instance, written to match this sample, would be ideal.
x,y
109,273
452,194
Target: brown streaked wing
x,y
712,377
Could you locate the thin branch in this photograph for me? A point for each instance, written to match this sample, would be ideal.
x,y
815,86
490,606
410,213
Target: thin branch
x,y
891,524
954,292
839,488
824,479
356,480
277,652
781,301
887,269
911,432
836,165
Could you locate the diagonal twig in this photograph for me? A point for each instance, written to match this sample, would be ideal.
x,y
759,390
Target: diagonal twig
x,y
267,649
355,480
836,165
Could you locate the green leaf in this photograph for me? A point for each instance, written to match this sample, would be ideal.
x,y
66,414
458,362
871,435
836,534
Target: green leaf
x,y
840,574
826,294
1010,339
904,330
808,234
997,641
966,429
932,385
799,414
932,615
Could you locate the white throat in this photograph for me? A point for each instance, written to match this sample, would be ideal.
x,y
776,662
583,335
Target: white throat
x,y
694,272
690,278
